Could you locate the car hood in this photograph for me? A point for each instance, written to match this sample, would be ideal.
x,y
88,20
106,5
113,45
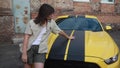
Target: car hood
x,y
86,44
99,44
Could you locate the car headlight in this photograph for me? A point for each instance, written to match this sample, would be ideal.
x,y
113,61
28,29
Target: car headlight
x,y
111,60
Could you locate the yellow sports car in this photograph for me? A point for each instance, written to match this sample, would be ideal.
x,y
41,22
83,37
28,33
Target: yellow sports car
x,y
92,47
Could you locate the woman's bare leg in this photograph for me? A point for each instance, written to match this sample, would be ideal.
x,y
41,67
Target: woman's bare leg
x,y
38,65
27,65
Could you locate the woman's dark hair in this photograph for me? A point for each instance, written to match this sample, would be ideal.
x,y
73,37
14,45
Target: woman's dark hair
x,y
44,11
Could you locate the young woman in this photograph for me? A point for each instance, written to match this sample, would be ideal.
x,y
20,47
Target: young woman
x,y
36,34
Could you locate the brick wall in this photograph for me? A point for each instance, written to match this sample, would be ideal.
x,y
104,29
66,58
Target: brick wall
x,y
105,12
6,21
6,29
107,8
80,7
109,18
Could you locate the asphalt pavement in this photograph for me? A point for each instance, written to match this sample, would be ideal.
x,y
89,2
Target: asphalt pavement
x,y
10,54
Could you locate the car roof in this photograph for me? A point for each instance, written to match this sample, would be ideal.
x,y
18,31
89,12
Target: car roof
x,y
84,16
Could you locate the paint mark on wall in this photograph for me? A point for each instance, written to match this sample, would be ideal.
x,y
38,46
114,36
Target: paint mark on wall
x,y
21,14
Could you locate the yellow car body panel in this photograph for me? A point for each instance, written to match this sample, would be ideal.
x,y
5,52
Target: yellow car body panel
x,y
65,16
50,42
98,53
97,48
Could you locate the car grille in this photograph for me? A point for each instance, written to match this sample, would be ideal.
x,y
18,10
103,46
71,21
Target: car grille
x,y
69,64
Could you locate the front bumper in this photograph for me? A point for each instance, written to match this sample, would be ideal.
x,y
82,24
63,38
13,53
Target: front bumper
x,y
90,62
102,64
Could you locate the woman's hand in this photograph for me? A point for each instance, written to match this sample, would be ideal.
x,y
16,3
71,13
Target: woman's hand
x,y
24,58
66,36
71,37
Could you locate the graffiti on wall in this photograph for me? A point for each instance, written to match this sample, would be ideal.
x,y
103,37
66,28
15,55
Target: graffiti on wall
x,y
21,11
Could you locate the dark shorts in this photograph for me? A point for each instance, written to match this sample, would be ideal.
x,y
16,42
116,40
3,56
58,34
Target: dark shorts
x,y
34,56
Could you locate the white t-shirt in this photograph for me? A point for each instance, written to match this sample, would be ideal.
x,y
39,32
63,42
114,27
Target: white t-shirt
x,y
38,40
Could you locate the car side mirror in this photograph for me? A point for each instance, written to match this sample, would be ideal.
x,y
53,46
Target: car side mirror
x,y
108,27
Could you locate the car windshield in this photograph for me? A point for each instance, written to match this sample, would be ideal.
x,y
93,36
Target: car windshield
x,y
79,23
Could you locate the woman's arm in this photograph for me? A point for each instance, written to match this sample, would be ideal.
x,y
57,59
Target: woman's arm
x,y
24,47
25,42
65,35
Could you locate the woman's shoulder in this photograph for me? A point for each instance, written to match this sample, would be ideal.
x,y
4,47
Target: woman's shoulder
x,y
31,22
52,21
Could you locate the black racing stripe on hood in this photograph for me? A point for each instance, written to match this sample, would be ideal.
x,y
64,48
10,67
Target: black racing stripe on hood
x,y
59,47
77,47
